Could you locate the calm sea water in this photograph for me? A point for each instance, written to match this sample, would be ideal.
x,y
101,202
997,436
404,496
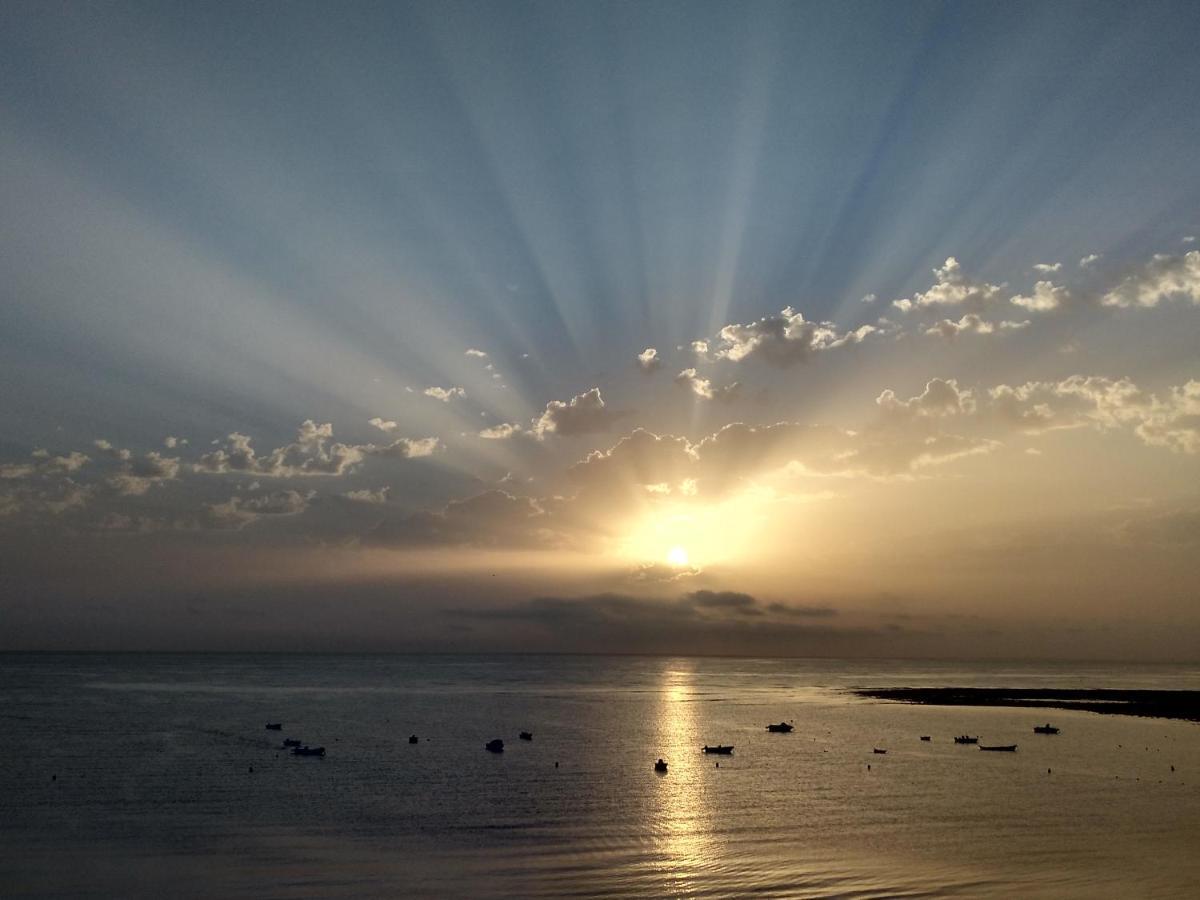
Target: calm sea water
x,y
143,775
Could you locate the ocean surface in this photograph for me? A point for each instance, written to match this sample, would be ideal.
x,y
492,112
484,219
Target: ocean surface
x,y
153,776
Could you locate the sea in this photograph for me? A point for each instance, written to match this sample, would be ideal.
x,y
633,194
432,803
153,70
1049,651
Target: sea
x,y
142,775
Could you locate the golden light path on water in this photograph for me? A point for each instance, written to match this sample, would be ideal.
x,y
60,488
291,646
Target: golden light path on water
x,y
683,831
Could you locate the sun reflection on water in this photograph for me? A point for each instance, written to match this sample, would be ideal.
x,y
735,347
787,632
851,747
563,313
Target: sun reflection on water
x,y
683,820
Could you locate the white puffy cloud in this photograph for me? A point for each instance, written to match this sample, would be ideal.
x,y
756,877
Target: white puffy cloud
x,y
1090,260
1046,296
703,387
971,323
444,394
478,354
584,413
501,432
952,288
402,448
784,339
941,397
385,425
1160,279
1047,267
53,498
649,360
171,442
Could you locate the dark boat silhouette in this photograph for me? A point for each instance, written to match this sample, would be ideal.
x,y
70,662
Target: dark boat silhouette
x,y
494,746
926,737
877,750
526,735
964,739
1045,729
308,751
723,749
292,742
1007,748
274,726
412,739
660,766
781,728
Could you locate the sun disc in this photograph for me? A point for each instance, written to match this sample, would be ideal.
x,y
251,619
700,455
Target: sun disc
x,y
677,556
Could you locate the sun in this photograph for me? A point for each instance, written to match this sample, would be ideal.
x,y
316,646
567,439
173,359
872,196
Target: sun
x,y
677,556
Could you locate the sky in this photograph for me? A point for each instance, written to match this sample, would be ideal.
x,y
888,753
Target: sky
x,y
797,329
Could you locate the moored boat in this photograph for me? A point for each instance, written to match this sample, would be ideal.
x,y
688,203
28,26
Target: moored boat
x,y
926,737
660,766
723,749
781,728
1045,729
877,750
413,739
292,742
494,746
526,735
964,739
308,751
1006,748
274,726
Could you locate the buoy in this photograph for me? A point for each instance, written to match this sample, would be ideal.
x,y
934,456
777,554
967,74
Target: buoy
x,y
556,765
252,768
55,777
868,767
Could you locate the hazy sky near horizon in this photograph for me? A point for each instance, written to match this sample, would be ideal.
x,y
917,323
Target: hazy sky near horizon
x,y
842,328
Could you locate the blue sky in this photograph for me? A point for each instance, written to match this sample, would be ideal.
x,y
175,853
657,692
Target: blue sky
x,y
231,218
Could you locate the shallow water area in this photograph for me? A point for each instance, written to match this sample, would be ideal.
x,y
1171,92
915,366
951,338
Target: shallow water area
x,y
139,775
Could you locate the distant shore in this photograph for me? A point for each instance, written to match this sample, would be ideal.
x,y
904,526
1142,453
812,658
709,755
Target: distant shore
x,y
1156,704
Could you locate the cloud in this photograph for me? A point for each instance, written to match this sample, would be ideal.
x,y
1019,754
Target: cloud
x,y
941,397
702,387
869,298
584,413
238,512
402,448
384,425
478,354
492,518
1172,422
784,339
1045,297
1048,267
501,432
375,498
311,454
1090,260
649,360
444,394
952,288
138,475
53,498
171,442
44,464
696,622
971,323
700,348
1163,278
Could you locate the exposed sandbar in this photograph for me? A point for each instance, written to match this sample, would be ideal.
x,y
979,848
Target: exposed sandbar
x,y
1159,704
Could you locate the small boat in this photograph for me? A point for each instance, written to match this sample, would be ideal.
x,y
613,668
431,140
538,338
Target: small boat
x,y
660,766
526,735
877,750
308,751
723,749
494,746
781,728
1007,748
413,739
1045,729
963,739
292,742
274,726
926,737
